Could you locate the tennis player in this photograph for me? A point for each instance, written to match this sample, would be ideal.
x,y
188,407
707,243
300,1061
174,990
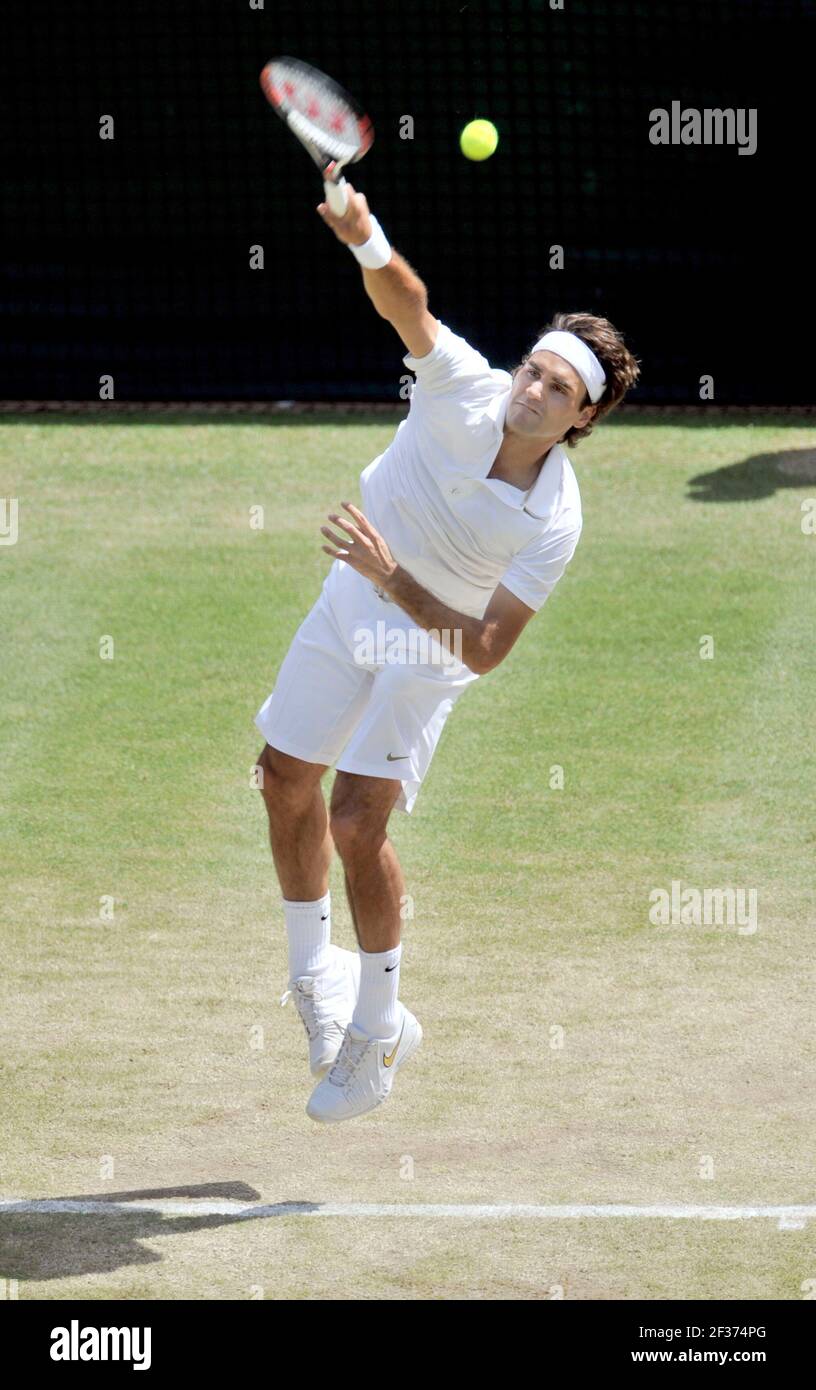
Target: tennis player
x,y
468,521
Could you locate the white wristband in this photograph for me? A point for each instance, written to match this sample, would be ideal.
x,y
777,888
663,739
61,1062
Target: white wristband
x,y
376,252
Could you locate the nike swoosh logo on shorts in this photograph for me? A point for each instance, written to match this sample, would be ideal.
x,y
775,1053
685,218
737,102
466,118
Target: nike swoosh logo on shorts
x,y
388,1059
396,757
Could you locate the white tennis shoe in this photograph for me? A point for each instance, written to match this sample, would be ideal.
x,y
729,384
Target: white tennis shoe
x,y
326,1003
364,1072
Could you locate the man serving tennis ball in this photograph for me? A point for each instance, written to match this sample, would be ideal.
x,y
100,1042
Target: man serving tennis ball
x,y
468,521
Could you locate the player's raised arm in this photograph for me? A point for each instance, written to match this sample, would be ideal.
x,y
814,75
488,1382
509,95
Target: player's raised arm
x,y
394,288
337,132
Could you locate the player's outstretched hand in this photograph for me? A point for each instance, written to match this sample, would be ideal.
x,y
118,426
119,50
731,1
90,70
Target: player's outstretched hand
x,y
354,227
363,548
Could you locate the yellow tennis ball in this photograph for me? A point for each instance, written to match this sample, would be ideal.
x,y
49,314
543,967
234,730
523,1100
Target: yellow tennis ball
x,y
479,140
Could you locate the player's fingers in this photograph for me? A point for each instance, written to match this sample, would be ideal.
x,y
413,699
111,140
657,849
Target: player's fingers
x,y
360,517
355,532
330,536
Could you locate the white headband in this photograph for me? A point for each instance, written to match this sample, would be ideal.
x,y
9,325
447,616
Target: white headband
x,y
575,351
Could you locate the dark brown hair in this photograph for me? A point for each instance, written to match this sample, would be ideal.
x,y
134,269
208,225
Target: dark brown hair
x,y
621,367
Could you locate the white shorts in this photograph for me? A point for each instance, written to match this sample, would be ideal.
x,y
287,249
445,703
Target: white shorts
x,y
353,691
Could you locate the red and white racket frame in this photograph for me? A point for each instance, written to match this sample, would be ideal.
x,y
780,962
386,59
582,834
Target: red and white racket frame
x,y
281,93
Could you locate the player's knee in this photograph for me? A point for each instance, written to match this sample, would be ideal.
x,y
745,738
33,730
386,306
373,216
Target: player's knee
x,y
356,831
281,781
266,773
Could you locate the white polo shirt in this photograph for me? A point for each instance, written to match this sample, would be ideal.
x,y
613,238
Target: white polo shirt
x,y
458,532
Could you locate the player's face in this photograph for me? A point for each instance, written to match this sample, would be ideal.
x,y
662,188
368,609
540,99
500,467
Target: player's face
x,y
548,398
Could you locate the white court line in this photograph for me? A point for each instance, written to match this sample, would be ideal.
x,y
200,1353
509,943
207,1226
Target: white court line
x,y
788,1217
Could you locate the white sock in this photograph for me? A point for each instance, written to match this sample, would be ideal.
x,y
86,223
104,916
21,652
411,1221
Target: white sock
x,y
308,927
378,1013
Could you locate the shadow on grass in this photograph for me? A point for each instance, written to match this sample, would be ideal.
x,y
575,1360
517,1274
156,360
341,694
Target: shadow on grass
x,y
761,475
58,1242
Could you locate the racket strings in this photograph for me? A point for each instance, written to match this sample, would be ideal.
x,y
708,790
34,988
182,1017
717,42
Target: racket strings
x,y
340,150
317,111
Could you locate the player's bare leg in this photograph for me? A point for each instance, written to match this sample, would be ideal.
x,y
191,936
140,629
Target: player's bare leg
x,y
298,824
360,807
382,1033
351,904
323,979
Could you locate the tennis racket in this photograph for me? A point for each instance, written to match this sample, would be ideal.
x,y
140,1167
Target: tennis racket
x,y
328,122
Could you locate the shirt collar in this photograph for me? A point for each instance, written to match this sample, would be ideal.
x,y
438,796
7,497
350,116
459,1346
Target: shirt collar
x,y
541,501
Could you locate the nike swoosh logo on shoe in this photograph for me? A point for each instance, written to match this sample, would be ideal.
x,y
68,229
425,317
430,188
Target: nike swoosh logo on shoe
x,y
396,757
388,1058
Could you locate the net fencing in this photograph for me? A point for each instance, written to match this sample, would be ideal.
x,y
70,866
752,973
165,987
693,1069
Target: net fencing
x,y
183,257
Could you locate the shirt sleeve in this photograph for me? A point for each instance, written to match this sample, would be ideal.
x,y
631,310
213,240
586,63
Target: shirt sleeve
x,y
454,386
537,568
452,367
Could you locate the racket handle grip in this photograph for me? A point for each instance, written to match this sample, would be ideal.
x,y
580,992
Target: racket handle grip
x,y
336,195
